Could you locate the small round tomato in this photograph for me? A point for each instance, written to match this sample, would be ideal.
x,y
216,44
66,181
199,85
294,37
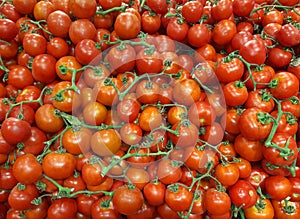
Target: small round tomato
x,y
243,194
43,68
20,196
178,198
263,209
62,208
223,32
168,171
128,199
27,169
59,165
254,124
154,193
254,51
282,150
216,202
227,174
15,130
278,187
59,23
106,142
127,25
284,85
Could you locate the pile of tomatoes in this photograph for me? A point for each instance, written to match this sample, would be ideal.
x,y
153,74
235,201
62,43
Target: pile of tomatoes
x,y
149,109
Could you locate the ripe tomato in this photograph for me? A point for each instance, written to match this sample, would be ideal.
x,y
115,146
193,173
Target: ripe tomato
x,y
284,85
27,169
216,202
127,25
21,196
227,174
59,165
278,187
263,209
103,207
178,198
223,32
243,194
48,119
81,29
187,135
278,157
254,125
62,208
43,68
59,23
235,93
128,199
154,193
168,171
105,142
15,130
254,52
286,209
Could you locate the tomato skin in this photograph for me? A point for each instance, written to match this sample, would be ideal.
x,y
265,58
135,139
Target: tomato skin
x,y
59,166
278,187
235,93
154,193
15,130
279,58
286,85
127,200
186,92
223,32
168,172
81,29
227,174
242,193
267,212
19,77
228,71
281,212
20,199
198,35
216,202
46,119
250,127
27,169
261,100
288,35
274,155
254,51
188,134
62,208
43,68
106,142
127,25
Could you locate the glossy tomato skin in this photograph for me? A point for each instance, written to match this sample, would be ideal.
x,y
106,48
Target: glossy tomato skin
x,y
216,202
62,208
154,193
281,209
278,187
20,198
58,166
285,86
251,128
273,155
266,212
254,51
178,199
27,169
243,194
15,130
127,200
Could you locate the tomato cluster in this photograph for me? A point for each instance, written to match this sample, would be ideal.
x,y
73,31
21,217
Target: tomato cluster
x,y
149,109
